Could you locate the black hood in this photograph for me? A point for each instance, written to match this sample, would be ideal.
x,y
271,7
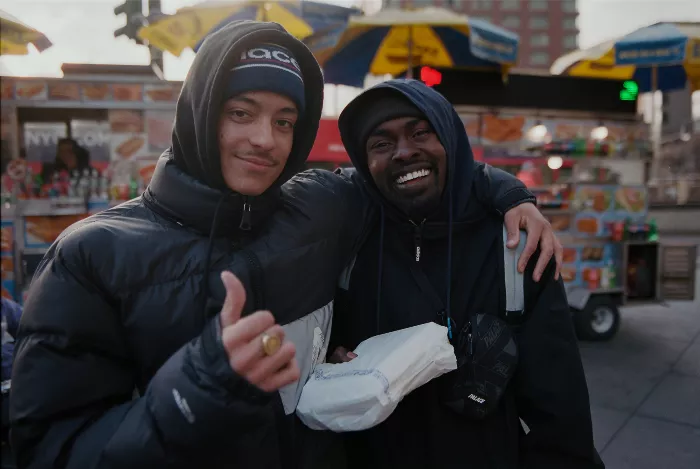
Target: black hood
x,y
448,126
187,185
454,206
195,145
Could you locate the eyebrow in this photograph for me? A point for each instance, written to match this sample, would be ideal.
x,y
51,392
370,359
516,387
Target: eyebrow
x,y
379,132
252,102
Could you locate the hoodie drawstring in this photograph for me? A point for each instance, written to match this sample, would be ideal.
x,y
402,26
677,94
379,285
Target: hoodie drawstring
x,y
210,247
379,268
449,268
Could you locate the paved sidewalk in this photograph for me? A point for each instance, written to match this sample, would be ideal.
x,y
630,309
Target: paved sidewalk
x,y
645,388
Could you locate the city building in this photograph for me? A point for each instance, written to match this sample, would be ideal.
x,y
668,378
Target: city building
x,y
547,28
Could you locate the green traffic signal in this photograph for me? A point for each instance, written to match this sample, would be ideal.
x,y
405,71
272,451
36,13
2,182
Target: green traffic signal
x,y
629,91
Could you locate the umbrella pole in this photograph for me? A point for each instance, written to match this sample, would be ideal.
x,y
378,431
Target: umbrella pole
x,y
656,129
409,72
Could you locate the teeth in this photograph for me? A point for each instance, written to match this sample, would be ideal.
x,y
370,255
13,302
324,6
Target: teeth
x,y
411,176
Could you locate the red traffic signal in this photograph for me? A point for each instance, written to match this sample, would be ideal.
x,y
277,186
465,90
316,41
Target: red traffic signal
x,y
430,76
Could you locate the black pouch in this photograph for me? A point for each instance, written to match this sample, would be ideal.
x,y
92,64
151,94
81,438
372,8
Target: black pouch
x,y
487,357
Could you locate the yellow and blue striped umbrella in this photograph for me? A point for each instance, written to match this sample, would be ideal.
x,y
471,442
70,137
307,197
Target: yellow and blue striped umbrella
x,y
394,41
15,36
663,56
189,26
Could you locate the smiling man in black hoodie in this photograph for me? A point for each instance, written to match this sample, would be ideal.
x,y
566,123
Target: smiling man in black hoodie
x,y
436,254
126,357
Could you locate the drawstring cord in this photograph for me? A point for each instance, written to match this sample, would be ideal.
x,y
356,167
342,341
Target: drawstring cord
x,y
207,259
449,268
380,267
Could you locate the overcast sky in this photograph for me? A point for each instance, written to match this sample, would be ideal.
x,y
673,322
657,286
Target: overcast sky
x,y
82,30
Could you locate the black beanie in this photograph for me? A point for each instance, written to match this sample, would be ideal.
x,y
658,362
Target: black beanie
x,y
382,107
268,67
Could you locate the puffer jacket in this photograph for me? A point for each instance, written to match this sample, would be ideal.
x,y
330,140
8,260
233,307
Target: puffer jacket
x,y
122,303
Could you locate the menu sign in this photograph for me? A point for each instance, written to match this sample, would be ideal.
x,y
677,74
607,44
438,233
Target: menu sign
x,y
95,92
166,92
31,89
7,89
502,130
160,128
41,140
127,92
128,137
472,126
94,136
64,91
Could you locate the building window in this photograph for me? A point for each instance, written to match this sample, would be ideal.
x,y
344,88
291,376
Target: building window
x,y
483,4
539,22
568,6
539,58
538,5
569,23
570,42
511,22
481,18
539,40
510,4
392,3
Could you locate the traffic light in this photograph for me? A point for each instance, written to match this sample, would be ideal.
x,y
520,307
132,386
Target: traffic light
x,y
430,76
629,91
133,9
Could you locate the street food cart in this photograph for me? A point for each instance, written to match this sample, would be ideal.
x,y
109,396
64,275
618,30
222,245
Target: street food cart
x,y
121,115
612,252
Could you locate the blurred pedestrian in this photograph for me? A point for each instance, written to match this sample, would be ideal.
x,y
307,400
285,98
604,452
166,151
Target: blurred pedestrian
x,y
70,157
11,313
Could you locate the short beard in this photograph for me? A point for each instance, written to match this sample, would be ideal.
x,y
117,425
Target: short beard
x,y
419,210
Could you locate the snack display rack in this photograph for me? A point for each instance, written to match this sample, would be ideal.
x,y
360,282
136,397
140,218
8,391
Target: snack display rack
x,y
508,138
124,121
612,253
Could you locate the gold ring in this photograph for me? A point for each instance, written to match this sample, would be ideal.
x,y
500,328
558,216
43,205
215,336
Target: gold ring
x,y
271,344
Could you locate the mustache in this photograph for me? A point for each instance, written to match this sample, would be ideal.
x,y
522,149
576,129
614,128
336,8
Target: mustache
x,y
397,169
258,155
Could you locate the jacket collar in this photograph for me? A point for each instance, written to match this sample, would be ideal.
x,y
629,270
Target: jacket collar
x,y
185,200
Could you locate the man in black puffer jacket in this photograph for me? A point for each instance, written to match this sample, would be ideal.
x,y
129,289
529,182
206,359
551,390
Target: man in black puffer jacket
x,y
436,254
121,361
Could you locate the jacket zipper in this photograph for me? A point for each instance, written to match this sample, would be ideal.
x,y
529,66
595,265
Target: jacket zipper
x,y
417,237
245,216
256,279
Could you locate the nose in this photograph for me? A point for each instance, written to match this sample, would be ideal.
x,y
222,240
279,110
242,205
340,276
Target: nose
x,y
405,150
261,136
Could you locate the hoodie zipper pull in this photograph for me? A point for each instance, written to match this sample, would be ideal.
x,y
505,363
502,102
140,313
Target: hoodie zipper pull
x,y
417,238
245,217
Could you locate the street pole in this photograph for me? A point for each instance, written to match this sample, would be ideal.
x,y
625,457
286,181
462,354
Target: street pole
x,y
156,54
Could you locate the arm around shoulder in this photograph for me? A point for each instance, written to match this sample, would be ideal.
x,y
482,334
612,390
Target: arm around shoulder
x,y
498,189
338,200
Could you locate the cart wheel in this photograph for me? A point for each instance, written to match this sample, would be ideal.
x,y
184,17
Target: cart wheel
x,y
599,320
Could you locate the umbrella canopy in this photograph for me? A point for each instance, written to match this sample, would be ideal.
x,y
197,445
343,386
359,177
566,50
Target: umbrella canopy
x,y
189,26
663,56
394,41
15,36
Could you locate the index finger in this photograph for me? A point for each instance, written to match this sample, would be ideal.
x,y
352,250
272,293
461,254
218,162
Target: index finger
x,y
547,245
559,255
533,239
